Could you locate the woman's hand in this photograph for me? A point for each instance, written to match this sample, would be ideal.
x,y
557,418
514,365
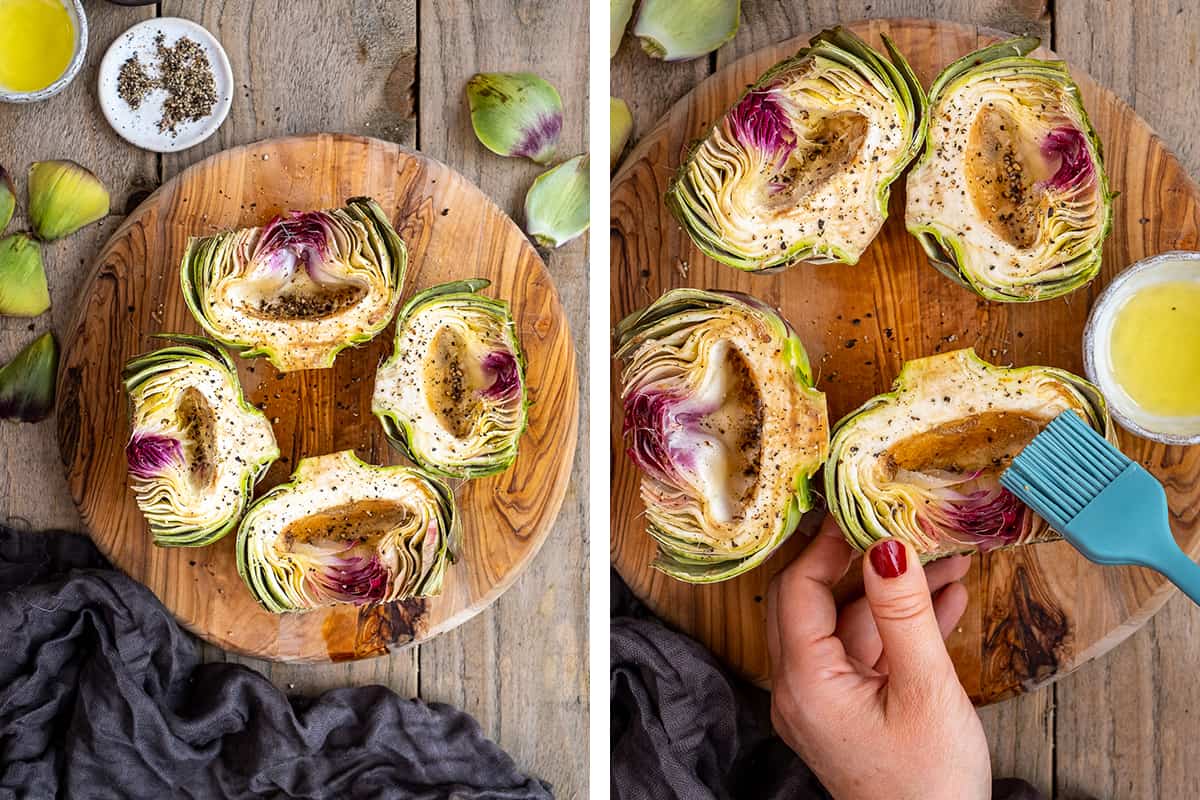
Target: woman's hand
x,y
868,696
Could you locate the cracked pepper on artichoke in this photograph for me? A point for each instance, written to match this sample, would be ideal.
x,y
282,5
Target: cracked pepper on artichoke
x,y
452,396
722,418
922,463
1010,197
342,531
800,168
196,446
301,288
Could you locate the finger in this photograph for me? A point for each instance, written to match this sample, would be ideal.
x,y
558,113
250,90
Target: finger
x,y
898,594
856,625
804,606
949,605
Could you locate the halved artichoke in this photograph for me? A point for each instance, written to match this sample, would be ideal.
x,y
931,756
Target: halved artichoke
x,y
800,169
196,446
722,418
342,531
922,463
452,396
1010,197
300,289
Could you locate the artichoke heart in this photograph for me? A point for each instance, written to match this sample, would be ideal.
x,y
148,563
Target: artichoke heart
x,y
923,462
300,289
800,168
722,418
452,396
1010,197
196,446
342,531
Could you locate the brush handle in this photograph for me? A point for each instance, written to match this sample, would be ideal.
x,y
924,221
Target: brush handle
x,y
1180,570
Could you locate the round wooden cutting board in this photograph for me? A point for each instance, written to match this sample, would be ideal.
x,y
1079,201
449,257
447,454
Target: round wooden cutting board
x,y
453,232
1035,613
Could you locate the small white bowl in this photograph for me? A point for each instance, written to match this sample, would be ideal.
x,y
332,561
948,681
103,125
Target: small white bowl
x,y
1171,266
79,20
140,127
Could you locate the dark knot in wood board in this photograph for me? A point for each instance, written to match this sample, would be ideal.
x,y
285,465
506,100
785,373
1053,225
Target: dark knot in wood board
x,y
1024,643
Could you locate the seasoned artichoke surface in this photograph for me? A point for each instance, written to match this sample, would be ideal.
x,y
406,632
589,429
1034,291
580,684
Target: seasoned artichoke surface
x,y
196,447
301,288
1010,196
342,531
799,169
452,395
721,418
923,462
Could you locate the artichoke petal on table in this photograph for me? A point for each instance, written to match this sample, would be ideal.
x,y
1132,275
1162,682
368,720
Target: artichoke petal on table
x,y
1010,197
300,289
342,531
922,463
452,396
722,419
800,168
196,446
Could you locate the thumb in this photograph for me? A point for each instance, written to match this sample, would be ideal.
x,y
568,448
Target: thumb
x,y
898,595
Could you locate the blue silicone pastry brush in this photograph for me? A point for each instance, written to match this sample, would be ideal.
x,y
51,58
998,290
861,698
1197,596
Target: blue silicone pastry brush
x,y
1108,507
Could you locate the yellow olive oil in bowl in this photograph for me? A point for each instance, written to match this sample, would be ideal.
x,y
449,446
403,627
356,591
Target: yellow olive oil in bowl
x,y
1142,347
38,45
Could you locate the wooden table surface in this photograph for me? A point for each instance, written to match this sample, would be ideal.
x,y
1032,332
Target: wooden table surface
x,y
393,70
1123,726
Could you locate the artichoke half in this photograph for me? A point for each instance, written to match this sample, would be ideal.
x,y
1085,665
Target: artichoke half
x,y
452,396
922,463
300,289
342,531
1010,197
196,446
722,419
800,169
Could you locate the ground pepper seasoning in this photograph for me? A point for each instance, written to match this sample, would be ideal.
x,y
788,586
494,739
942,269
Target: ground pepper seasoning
x,y
183,71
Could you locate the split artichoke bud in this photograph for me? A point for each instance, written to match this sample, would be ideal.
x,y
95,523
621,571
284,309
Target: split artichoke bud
x,y
620,126
722,418
196,446
922,463
452,396
64,197
27,382
556,205
23,289
516,114
801,168
8,199
300,289
1010,197
619,12
342,531
677,30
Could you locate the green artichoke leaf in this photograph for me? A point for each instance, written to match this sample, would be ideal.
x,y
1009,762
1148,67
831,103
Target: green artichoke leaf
x,y
723,420
196,446
452,396
64,197
27,382
556,205
619,12
922,463
300,289
620,126
678,30
800,168
1010,197
343,531
8,199
23,289
516,114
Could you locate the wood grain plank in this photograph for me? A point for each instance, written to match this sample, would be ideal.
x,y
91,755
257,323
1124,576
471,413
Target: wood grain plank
x,y
1122,722
520,667
350,70
68,125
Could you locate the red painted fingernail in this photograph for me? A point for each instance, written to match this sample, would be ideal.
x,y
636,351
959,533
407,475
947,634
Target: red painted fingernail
x,y
889,559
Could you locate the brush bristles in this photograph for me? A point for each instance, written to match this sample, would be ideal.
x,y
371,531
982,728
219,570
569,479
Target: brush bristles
x,y
1063,469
